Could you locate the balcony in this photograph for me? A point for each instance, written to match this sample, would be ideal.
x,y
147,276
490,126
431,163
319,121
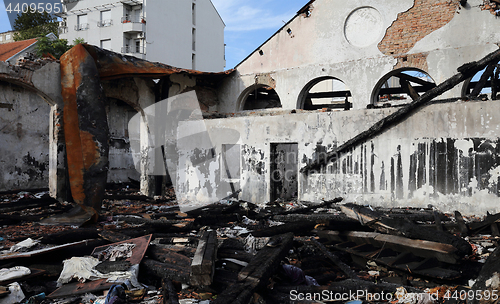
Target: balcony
x,y
62,30
105,23
133,50
82,27
133,25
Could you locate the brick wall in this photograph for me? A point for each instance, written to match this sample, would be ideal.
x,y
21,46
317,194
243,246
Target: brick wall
x,y
411,26
418,61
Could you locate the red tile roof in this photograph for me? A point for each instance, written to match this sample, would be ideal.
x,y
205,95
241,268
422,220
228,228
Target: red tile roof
x,y
10,49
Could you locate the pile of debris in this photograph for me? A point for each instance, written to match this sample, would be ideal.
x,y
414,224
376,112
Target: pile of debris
x,y
146,250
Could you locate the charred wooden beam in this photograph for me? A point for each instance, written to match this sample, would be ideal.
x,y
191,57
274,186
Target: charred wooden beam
x,y
169,292
298,228
166,271
336,260
408,89
69,236
168,256
203,264
257,272
267,260
442,252
461,223
465,71
405,228
483,80
415,80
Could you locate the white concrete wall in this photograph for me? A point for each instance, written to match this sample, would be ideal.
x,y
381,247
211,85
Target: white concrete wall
x,y
444,155
210,50
168,31
24,161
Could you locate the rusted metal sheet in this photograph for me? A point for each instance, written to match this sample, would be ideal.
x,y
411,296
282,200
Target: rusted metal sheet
x,y
141,245
112,65
85,129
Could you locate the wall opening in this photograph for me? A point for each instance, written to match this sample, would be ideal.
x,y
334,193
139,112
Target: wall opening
x,y
284,170
122,168
259,96
325,92
401,87
485,84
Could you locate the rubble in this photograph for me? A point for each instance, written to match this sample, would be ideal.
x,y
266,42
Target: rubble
x,y
236,252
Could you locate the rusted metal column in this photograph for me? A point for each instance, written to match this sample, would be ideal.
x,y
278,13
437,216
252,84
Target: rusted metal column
x,y
85,129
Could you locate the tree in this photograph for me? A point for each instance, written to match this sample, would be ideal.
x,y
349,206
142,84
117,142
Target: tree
x,y
34,24
56,48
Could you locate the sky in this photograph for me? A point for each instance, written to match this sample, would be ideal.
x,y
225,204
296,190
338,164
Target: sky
x,y
248,23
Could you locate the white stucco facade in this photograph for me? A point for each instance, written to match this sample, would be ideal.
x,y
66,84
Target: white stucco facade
x,y
184,34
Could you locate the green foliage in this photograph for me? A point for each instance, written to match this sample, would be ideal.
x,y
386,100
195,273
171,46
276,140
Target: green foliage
x,y
34,24
56,48
78,41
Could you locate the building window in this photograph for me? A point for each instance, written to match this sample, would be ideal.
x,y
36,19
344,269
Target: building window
x,y
194,39
231,161
106,44
1,38
105,19
194,13
7,37
82,23
138,46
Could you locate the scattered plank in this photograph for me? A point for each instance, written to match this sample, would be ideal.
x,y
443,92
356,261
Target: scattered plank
x,y
335,259
461,223
442,252
386,224
169,293
203,264
166,271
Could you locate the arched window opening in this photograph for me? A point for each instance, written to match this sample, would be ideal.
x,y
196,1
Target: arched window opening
x,y
401,87
485,84
325,92
260,97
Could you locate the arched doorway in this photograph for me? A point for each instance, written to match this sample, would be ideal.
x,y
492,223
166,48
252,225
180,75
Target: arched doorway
x,y
325,92
257,97
401,87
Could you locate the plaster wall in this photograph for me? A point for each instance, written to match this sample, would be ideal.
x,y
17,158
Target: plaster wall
x,y
24,134
445,155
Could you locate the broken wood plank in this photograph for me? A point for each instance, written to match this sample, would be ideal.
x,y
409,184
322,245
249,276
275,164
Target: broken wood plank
x,y
465,71
335,259
442,252
203,264
297,228
461,223
406,228
490,219
482,81
166,271
437,221
267,260
169,293
168,256
113,236
67,236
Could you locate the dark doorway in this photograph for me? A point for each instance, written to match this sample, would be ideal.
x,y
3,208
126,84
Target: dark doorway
x,y
284,164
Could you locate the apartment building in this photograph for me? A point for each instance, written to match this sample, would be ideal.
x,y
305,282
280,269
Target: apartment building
x,y
185,34
7,37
